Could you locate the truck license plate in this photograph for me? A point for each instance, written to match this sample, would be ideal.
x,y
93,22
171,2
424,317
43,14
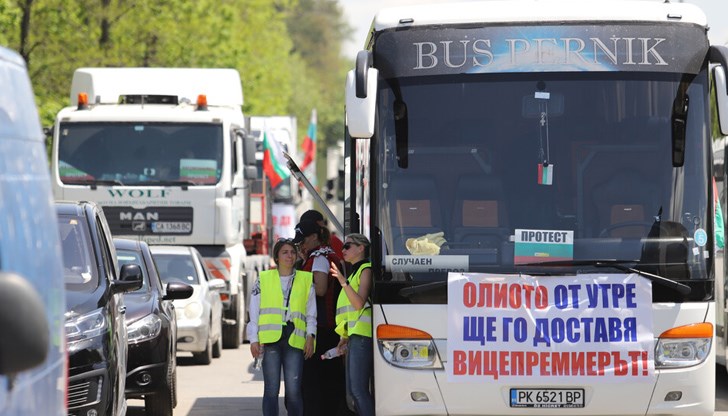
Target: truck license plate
x,y
547,398
171,227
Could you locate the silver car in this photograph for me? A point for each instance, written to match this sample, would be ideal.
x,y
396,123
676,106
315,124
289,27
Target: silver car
x,y
199,318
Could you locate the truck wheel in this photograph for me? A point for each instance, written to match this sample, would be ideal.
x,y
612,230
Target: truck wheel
x,y
233,334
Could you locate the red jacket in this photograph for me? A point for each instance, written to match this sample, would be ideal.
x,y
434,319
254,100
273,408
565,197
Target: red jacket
x,y
326,304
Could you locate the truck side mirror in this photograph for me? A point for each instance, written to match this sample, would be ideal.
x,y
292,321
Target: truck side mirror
x,y
361,96
26,334
249,151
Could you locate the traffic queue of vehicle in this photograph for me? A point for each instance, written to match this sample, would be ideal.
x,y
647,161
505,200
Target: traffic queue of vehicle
x,y
92,321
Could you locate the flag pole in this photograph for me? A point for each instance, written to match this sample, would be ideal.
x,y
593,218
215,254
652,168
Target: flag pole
x,y
300,177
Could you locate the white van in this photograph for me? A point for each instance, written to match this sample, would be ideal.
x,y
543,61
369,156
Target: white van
x,y
32,299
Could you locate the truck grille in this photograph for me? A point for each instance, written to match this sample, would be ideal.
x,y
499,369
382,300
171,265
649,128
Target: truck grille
x,y
149,220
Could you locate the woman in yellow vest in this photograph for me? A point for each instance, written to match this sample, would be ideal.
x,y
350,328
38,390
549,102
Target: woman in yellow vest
x,y
282,327
354,321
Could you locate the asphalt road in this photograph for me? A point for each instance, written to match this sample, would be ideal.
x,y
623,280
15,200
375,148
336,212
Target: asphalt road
x,y
230,386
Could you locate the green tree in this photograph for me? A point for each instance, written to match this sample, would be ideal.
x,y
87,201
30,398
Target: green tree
x,y
288,52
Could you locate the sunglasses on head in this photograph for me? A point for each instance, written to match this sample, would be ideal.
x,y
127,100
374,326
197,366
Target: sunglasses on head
x,y
286,240
348,245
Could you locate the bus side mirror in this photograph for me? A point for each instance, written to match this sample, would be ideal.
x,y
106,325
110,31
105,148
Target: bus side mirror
x,y
361,95
719,55
721,98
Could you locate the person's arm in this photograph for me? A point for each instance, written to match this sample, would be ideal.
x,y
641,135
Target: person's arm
x,y
311,316
357,298
254,313
320,269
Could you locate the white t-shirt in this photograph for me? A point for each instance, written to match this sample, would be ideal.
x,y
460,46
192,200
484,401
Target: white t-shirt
x,y
320,264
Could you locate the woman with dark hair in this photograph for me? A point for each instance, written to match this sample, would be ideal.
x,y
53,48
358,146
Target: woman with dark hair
x,y
323,381
354,321
282,327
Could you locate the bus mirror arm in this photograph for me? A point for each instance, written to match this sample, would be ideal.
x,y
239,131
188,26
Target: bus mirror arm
x,y
363,63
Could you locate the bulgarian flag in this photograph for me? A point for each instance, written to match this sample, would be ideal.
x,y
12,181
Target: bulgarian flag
x,y
274,163
309,142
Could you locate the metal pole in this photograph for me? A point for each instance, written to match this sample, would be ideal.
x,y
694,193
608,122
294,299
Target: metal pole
x,y
300,177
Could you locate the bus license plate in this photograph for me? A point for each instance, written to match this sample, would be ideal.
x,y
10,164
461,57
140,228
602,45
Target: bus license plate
x,y
547,398
171,227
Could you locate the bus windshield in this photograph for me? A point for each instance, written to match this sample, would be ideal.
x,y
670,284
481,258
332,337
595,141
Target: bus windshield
x,y
510,173
116,153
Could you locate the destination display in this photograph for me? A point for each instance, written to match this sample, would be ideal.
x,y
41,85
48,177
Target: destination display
x,y
541,48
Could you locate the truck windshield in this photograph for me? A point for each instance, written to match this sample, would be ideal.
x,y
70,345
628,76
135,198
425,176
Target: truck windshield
x,y
505,173
140,153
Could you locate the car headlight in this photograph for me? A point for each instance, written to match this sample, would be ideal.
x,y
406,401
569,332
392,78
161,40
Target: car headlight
x,y
144,329
684,346
82,329
193,310
408,347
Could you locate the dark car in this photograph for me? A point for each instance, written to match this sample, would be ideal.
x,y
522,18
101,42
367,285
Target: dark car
x,y
151,370
96,336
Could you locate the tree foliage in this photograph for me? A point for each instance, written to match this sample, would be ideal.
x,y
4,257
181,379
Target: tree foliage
x,y
288,52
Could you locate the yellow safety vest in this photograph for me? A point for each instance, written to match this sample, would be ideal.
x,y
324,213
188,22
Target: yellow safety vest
x,y
273,313
350,321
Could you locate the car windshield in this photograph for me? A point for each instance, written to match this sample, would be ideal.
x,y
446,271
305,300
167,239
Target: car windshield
x,y
134,257
140,153
176,268
79,267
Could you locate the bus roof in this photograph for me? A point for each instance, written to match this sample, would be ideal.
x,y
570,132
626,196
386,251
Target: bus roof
x,y
535,11
222,86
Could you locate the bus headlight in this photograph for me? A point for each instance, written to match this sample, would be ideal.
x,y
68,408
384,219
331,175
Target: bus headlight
x,y
407,347
684,346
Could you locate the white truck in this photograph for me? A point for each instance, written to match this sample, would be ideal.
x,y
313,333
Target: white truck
x,y
165,153
285,195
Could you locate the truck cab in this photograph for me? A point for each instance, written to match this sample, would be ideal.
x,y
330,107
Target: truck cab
x,y
163,151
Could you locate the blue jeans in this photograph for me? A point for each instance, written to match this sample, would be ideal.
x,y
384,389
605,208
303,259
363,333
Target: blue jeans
x,y
291,359
359,372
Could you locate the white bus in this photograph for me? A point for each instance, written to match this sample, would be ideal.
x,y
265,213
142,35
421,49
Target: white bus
x,y
535,178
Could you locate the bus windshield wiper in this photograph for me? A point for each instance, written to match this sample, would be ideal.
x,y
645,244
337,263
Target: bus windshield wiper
x,y
107,182
424,287
619,265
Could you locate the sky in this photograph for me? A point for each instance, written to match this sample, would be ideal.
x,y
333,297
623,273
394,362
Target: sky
x,y
359,14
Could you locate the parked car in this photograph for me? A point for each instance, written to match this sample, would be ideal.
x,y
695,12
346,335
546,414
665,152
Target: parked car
x,y
151,370
32,300
95,328
199,318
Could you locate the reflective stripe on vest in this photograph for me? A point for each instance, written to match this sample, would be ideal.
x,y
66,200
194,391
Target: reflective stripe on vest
x,y
272,313
350,321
